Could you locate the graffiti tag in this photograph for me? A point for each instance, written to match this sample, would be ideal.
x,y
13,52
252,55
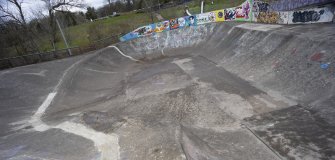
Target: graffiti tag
x,y
260,7
229,14
268,17
307,16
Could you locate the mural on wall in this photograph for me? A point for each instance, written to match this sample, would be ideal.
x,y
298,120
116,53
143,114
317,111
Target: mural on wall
x,y
219,15
250,10
267,17
271,17
162,26
205,18
182,22
174,23
139,32
191,21
260,6
128,36
243,12
229,14
316,15
145,30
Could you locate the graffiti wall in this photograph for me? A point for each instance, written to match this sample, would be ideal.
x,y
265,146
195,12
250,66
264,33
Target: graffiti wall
x,y
182,22
171,24
271,17
250,11
244,11
316,15
162,26
174,23
140,32
204,18
229,14
191,21
219,15
260,6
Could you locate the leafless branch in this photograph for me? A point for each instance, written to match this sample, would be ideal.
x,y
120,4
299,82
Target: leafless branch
x,y
19,18
56,4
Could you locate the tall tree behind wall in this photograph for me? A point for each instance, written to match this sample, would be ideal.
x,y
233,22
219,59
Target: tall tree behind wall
x,y
91,13
59,5
14,26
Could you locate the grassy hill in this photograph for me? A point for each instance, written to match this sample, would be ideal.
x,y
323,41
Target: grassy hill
x,y
89,33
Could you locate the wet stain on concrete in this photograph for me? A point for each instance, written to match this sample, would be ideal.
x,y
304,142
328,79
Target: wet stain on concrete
x,y
295,132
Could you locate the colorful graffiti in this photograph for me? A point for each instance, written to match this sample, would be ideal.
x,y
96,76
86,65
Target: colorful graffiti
x,y
250,10
174,23
229,14
219,15
145,30
243,13
316,15
239,12
259,6
271,17
182,22
140,32
162,26
205,18
191,21
268,17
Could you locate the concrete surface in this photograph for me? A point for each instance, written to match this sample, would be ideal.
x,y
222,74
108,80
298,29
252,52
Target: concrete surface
x,y
217,91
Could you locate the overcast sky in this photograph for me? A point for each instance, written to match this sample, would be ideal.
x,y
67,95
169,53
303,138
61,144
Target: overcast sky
x,y
38,5
94,3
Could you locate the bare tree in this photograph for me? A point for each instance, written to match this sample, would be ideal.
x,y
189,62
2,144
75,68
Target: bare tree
x,y
110,6
9,14
59,5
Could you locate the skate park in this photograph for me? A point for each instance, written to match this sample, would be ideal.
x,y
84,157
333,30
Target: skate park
x,y
221,90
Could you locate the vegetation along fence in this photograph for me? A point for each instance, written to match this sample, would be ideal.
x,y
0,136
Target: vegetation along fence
x,y
56,54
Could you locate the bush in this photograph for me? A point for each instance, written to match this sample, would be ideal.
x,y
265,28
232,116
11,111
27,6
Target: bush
x,y
95,31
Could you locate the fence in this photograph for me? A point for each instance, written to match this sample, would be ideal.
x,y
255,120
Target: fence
x,y
56,54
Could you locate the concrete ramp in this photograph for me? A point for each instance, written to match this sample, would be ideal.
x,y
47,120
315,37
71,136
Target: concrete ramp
x,y
214,91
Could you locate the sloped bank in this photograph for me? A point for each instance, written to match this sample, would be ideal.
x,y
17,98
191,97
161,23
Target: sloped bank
x,y
297,62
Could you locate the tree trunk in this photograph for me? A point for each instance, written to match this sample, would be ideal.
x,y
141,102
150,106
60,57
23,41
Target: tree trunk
x,y
53,28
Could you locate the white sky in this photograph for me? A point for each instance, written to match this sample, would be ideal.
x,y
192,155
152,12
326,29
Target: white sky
x,y
33,5
96,3
36,3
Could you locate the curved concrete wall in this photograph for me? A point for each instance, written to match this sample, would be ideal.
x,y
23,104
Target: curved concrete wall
x,y
249,11
297,61
158,44
283,59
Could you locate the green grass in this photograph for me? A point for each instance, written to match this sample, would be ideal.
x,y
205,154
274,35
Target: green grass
x,y
88,33
194,7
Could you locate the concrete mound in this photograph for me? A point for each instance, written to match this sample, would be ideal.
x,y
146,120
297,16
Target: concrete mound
x,y
215,91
